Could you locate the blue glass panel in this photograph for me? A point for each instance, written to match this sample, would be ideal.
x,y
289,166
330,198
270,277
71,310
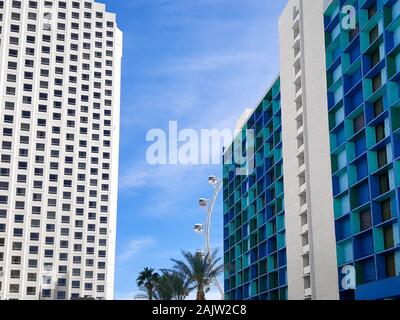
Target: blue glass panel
x,y
360,145
362,169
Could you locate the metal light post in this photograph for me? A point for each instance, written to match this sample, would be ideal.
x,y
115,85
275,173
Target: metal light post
x,y
208,205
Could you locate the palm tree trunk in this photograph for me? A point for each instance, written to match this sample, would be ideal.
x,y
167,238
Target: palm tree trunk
x,y
201,295
150,291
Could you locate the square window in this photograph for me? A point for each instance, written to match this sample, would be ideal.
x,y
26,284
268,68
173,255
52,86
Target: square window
x,y
380,132
359,123
388,237
378,107
386,210
377,82
382,158
372,10
365,220
375,58
384,185
390,265
374,34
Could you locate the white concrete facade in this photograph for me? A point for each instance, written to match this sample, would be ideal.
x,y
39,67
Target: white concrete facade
x,y
60,69
310,234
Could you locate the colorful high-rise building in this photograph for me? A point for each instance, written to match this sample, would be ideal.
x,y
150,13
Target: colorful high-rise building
x,y
363,68
316,214
254,219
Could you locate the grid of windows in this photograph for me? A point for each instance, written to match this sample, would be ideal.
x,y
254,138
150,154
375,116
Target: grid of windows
x,y
59,119
254,227
364,111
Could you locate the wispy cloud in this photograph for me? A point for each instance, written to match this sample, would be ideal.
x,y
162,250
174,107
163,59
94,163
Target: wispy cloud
x,y
150,176
168,188
134,247
206,63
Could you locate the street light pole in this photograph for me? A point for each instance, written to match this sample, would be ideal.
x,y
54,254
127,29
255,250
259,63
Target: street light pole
x,y
208,205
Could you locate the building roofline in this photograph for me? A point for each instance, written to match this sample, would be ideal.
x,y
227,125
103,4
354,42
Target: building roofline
x,y
255,108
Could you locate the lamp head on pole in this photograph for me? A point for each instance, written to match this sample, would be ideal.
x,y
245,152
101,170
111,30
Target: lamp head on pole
x,y
212,180
198,228
203,202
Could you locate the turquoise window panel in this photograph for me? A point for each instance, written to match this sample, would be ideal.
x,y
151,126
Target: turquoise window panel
x,y
382,50
334,13
337,73
246,260
391,179
345,204
281,243
384,75
396,236
278,188
381,26
396,36
397,261
335,32
389,152
238,264
338,95
348,251
278,154
284,273
339,116
342,206
343,182
378,240
396,9
387,127
280,222
397,61
342,159
345,252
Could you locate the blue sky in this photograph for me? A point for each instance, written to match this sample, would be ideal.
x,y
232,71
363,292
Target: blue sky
x,y
200,63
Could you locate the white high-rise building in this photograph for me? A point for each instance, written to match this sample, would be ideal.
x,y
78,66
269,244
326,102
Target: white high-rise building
x,y
310,232
60,67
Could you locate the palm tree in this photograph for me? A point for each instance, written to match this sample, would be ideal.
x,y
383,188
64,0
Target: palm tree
x,y
200,270
171,285
146,280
